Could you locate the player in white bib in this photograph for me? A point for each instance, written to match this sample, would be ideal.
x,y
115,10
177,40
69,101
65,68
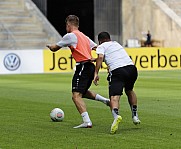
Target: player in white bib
x,y
122,75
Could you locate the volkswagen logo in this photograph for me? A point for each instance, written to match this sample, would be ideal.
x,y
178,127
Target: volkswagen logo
x,y
12,61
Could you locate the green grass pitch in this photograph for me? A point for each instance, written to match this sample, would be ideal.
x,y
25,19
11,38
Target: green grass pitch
x,y
26,101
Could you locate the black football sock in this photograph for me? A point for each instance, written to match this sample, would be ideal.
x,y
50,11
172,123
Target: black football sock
x,y
134,110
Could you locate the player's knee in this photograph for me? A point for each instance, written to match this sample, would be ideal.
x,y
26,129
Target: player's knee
x,y
128,92
76,96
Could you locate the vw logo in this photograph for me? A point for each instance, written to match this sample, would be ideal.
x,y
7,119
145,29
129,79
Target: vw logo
x,y
12,61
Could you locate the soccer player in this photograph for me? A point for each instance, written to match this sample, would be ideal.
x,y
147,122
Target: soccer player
x,y
81,47
122,74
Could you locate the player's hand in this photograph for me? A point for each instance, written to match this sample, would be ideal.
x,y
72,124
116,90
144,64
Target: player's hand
x,y
96,79
51,47
48,45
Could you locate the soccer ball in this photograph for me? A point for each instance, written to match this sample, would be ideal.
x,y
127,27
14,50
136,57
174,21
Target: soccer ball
x,y
57,115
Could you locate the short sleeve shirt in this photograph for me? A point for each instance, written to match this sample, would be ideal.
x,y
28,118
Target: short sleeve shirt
x,y
115,55
70,39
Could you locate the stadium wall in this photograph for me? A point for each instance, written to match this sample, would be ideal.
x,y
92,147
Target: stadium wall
x,y
45,61
142,15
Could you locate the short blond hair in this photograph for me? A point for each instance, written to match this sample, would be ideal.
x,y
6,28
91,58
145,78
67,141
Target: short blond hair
x,y
73,20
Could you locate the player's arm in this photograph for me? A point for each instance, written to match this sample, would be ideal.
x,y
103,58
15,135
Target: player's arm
x,y
53,48
99,61
64,42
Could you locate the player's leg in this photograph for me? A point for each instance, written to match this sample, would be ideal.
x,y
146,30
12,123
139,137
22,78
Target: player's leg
x,y
78,89
88,77
115,92
132,99
93,96
114,105
79,103
133,104
81,107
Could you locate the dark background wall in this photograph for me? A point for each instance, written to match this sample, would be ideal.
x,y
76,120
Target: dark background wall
x,y
42,5
95,15
58,10
108,17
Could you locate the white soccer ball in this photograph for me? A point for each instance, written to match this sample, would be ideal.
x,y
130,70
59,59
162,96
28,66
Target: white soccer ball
x,y
57,115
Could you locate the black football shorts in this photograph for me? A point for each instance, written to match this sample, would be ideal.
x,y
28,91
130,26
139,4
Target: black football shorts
x,y
83,77
122,78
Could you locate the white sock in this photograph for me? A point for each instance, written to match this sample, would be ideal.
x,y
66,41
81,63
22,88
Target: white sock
x,y
101,98
85,117
114,113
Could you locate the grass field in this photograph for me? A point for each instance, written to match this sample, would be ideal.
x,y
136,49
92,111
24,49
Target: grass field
x,y
26,101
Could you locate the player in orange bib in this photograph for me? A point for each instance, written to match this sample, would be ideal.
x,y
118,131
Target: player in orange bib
x,y
81,47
